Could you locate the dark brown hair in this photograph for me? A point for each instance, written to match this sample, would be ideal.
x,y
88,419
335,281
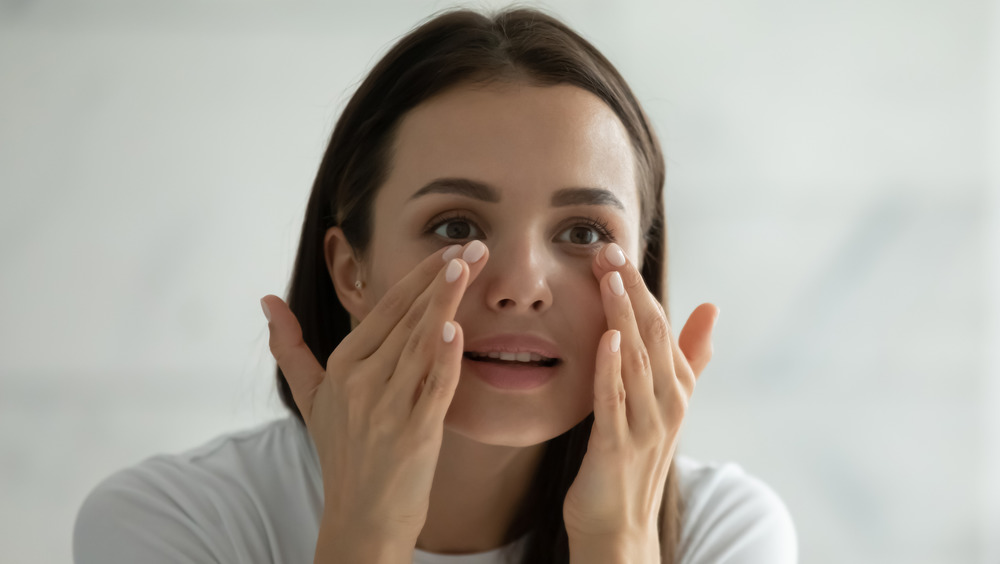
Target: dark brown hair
x,y
465,47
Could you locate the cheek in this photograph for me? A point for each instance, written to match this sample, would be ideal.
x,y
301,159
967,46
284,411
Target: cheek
x,y
586,315
383,280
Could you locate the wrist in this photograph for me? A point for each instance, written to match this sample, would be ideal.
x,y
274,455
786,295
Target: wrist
x,y
342,545
623,548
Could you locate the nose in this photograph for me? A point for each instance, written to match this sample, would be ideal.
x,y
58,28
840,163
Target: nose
x,y
516,278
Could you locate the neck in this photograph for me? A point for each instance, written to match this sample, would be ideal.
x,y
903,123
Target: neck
x,y
476,494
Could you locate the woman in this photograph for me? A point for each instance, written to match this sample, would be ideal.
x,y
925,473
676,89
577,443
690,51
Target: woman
x,y
474,349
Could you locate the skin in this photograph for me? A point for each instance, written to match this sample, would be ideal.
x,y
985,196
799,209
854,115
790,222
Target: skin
x,y
542,275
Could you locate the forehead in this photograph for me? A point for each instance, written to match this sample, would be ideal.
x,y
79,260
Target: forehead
x,y
528,141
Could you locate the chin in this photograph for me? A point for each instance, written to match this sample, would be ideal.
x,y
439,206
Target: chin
x,y
513,428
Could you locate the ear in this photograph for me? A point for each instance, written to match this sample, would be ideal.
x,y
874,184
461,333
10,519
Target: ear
x,y
344,270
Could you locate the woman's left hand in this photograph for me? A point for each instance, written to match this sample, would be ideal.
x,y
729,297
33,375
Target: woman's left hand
x,y
641,395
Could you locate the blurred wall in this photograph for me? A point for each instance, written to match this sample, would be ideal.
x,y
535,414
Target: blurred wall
x,y
829,188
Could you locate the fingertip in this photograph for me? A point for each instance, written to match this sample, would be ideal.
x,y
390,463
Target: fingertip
x,y
474,251
615,341
454,270
267,310
451,354
451,332
451,252
614,255
448,331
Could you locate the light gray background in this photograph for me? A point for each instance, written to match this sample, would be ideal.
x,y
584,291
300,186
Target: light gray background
x,y
832,187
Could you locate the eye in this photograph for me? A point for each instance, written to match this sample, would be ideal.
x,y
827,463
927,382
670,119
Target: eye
x,y
588,231
598,227
582,232
453,225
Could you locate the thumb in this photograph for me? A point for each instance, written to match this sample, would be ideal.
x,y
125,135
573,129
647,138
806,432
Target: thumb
x,y
297,362
696,337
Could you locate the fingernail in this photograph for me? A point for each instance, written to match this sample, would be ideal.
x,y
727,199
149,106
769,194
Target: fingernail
x,y
615,255
452,252
448,333
616,341
454,271
616,284
474,252
267,312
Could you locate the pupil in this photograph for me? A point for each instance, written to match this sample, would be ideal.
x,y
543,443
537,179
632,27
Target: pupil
x,y
459,233
586,231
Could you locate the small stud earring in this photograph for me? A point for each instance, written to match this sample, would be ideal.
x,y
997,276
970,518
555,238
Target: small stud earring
x,y
359,284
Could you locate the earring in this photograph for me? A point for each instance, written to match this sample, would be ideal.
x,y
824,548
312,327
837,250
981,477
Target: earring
x,y
359,284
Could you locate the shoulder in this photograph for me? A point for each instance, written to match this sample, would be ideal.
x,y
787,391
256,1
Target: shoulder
x,y
207,504
730,516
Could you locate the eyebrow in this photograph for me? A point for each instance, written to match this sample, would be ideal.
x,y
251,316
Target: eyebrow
x,y
485,192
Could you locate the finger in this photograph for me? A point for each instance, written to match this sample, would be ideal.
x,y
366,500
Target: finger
x,y
640,399
296,361
610,419
650,318
437,390
696,337
371,332
421,348
388,354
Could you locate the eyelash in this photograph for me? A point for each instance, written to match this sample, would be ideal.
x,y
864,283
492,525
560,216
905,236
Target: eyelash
x,y
597,224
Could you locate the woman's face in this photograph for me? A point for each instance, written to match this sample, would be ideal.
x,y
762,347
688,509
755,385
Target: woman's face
x,y
527,143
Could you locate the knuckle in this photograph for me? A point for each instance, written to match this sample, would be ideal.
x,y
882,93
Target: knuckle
x,y
411,320
660,308
418,343
351,384
335,360
639,361
435,387
632,279
657,329
615,398
624,315
422,439
394,301
382,412
677,401
654,435
380,428
659,430
382,423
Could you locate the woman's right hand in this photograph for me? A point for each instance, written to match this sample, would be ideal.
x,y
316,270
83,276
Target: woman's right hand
x,y
376,414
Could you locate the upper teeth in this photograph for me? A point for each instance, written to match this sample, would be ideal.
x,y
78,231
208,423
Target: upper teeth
x,y
522,357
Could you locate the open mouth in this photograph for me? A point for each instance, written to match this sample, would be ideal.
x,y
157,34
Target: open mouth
x,y
508,359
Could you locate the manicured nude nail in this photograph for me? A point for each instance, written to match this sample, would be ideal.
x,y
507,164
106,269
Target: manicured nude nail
x,y
267,311
616,341
474,252
615,255
616,284
454,270
452,252
448,333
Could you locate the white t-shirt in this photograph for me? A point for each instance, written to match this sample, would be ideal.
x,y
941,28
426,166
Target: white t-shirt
x,y
256,496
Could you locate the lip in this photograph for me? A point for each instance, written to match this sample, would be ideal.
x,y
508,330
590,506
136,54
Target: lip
x,y
512,378
513,343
